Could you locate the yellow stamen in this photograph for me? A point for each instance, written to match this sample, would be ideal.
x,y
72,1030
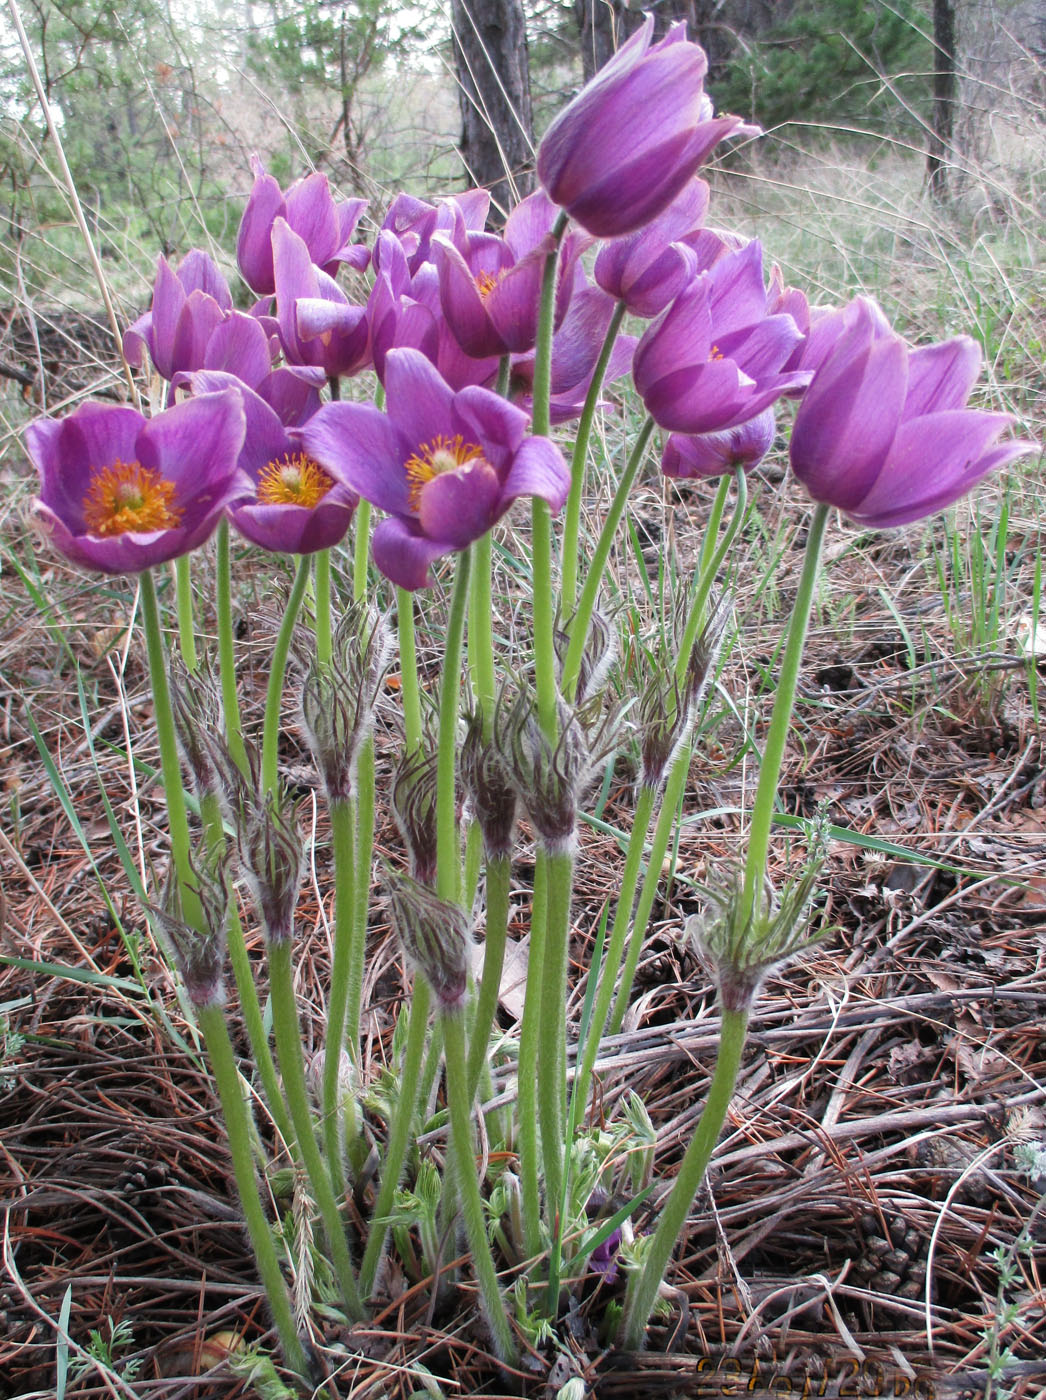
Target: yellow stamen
x,y
486,282
715,353
432,459
127,496
293,480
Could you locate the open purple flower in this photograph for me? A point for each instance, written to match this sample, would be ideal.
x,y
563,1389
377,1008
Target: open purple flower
x,y
188,307
119,492
445,466
319,326
883,432
490,287
631,139
291,506
648,269
309,208
719,454
714,358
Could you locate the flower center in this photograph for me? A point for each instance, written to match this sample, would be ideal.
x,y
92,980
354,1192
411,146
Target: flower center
x,y
442,454
293,480
486,282
715,353
127,496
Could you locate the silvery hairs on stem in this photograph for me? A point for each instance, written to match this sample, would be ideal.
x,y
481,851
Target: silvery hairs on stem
x,y
597,656
740,954
198,954
198,723
667,710
553,777
491,796
337,698
435,937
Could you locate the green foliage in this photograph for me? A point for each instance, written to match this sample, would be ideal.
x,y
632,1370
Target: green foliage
x,y
843,62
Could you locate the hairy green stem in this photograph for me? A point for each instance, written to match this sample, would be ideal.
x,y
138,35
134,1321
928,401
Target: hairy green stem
x,y
499,883
578,625
448,854
552,1055
460,1102
361,545
364,855
226,649
186,624
237,1127
292,1065
780,721
410,692
527,1075
643,1285
711,562
322,586
345,981
579,462
277,674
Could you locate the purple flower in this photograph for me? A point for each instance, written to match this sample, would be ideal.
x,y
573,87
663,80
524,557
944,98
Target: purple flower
x,y
648,269
575,350
445,466
119,492
490,287
326,228
188,307
883,432
631,139
319,326
719,454
291,505
714,358
413,222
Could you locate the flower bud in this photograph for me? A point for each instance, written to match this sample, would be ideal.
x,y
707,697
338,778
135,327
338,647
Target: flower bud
x,y
414,809
198,954
490,793
597,656
197,711
271,858
435,937
668,709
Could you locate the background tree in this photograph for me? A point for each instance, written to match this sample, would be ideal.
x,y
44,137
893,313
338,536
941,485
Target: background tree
x,y
492,63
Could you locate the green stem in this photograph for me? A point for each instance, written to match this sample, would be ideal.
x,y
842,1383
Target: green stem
x,y
345,980
237,1127
499,883
644,1284
277,673
666,820
619,931
292,1065
541,516
361,545
780,721
552,1054
579,461
322,584
170,768
409,687
448,854
459,1102
708,567
365,796
399,1133
527,1077
243,975
481,632
590,592
226,650
186,625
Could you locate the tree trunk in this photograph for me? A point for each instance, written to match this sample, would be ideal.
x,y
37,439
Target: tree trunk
x,y
943,121
603,26
493,70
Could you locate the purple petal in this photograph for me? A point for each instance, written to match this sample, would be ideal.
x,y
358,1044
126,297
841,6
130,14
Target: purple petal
x,y
539,469
762,348
459,506
942,376
67,453
737,293
240,346
288,529
530,223
197,272
310,213
195,444
403,555
254,240
420,402
497,425
462,303
358,445
168,303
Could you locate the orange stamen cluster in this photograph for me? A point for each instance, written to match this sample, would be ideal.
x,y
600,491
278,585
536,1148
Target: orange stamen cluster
x,y
442,454
486,282
715,353
293,480
126,496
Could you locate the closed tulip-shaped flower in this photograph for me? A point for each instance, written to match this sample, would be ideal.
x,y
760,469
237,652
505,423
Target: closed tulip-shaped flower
x,y
631,139
883,432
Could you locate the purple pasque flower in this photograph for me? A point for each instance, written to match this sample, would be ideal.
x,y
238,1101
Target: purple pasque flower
x,y
634,135
883,432
649,268
188,306
444,465
310,210
119,492
413,222
290,504
575,349
319,326
490,287
714,358
719,454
